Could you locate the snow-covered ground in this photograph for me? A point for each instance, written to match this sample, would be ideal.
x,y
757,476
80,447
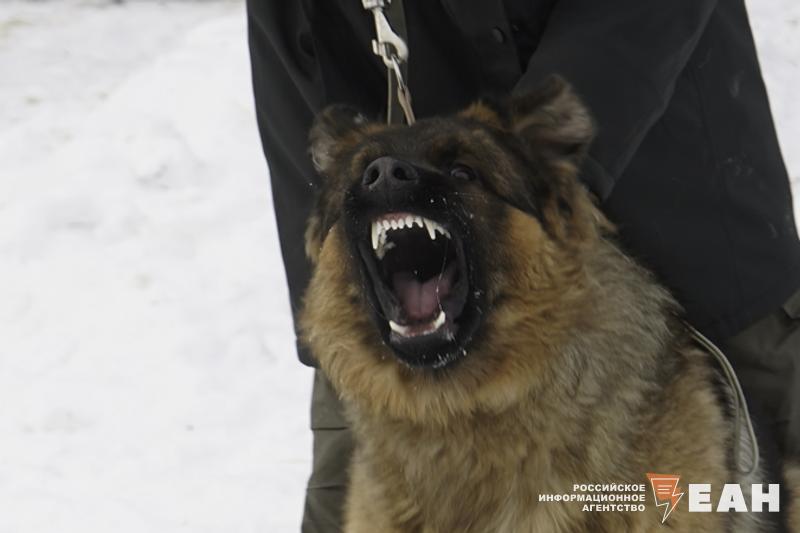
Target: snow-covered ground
x,y
148,381
147,372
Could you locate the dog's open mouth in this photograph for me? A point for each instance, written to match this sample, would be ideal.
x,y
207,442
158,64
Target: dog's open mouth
x,y
418,271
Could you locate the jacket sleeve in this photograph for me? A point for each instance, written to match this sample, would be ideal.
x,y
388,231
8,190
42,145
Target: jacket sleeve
x,y
287,95
623,61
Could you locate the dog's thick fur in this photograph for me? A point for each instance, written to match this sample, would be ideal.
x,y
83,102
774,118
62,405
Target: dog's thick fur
x,y
581,371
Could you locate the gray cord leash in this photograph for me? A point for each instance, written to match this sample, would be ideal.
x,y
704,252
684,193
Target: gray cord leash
x,y
392,49
740,403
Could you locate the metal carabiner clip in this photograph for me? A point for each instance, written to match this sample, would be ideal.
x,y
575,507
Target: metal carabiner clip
x,y
387,43
392,49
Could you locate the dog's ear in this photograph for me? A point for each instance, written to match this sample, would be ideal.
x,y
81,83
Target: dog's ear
x,y
557,129
334,127
553,121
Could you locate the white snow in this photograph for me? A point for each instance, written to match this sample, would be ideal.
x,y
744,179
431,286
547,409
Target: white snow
x,y
148,380
776,27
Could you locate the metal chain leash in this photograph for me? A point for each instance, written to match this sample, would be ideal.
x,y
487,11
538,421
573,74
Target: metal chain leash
x,y
392,49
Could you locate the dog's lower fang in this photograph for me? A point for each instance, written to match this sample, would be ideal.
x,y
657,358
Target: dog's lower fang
x,y
416,330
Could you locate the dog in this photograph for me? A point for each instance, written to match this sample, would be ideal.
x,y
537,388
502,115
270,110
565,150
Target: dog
x,y
490,340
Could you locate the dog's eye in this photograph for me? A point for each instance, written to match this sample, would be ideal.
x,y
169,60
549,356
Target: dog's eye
x,y
462,172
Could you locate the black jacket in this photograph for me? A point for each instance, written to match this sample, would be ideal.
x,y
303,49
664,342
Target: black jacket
x,y
686,161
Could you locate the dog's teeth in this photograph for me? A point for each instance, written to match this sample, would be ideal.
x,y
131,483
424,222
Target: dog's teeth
x,y
402,330
385,247
439,320
380,228
407,331
438,227
429,226
375,234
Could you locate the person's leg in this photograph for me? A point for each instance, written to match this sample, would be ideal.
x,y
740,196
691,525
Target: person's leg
x,y
333,446
766,357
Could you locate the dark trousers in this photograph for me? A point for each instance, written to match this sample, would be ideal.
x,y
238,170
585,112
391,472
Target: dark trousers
x,y
333,446
766,357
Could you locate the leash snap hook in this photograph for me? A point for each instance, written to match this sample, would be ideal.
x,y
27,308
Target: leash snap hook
x,y
387,43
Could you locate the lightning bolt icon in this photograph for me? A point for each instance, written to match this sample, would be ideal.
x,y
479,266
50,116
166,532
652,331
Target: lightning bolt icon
x,y
665,492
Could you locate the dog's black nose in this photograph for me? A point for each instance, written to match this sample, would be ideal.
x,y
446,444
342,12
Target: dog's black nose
x,y
389,173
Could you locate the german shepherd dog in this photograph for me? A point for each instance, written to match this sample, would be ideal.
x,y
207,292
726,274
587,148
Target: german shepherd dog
x,y
491,342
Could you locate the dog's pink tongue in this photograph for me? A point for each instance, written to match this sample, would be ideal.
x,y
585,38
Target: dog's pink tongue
x,y
420,300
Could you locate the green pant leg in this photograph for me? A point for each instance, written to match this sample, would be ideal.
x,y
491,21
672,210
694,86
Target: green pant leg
x,y
766,357
333,447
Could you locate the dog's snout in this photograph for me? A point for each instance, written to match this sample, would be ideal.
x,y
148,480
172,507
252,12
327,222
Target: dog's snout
x,y
388,172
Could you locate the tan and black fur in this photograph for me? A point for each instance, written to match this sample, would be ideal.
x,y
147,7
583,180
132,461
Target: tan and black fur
x,y
579,372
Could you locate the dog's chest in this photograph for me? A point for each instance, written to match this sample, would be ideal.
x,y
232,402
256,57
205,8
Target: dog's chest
x,y
486,479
